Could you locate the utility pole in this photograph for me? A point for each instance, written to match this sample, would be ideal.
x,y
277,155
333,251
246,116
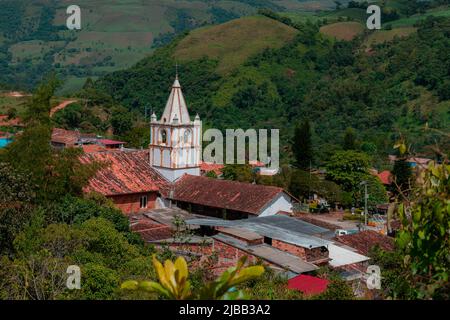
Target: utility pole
x,y
366,196
365,203
309,184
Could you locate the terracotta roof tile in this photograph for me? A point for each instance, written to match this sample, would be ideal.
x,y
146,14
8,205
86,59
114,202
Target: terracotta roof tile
x,y
125,173
207,167
108,142
363,241
385,177
5,122
66,137
91,148
151,230
232,195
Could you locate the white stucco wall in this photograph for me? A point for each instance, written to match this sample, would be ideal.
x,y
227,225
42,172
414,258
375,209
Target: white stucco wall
x,y
174,174
156,157
281,203
166,158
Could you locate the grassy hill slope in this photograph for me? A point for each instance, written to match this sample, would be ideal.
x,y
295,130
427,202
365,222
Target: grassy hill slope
x,y
232,43
343,30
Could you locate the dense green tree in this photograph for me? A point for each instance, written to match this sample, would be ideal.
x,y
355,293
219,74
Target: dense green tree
x,y
349,139
377,193
138,137
99,282
303,184
424,239
104,240
402,174
51,173
121,121
271,286
394,283
238,172
16,198
348,169
302,145
338,289
12,113
211,174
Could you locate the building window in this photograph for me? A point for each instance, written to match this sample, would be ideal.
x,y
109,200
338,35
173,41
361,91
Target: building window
x,y
143,202
163,136
187,136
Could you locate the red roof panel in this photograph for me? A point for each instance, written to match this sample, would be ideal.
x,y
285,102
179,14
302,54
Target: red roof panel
x,y
309,285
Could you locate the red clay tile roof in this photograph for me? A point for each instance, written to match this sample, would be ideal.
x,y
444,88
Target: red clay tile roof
x,y
125,173
207,167
363,241
385,177
232,195
90,148
108,142
5,122
66,137
151,230
256,164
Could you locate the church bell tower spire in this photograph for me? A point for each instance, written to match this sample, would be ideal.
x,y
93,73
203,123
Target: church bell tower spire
x,y
175,142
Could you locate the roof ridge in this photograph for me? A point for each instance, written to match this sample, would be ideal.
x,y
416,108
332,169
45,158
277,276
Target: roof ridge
x,y
235,182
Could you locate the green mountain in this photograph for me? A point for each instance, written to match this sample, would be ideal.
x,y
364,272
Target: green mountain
x,y
115,34
390,89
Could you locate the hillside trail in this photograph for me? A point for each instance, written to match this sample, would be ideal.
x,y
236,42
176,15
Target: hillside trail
x,y
61,106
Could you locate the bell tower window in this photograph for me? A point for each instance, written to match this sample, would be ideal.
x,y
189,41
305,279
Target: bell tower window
x,y
187,136
163,137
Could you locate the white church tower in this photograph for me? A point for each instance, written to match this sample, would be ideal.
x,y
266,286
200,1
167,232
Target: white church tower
x,y
175,140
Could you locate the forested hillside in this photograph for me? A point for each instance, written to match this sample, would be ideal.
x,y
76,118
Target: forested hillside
x,y
34,39
391,89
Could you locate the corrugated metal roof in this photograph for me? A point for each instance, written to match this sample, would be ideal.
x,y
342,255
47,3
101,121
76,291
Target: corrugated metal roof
x,y
341,256
271,254
288,223
280,228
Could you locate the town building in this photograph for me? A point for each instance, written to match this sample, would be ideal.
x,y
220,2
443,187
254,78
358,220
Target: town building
x,y
163,191
127,179
229,199
285,244
62,138
169,172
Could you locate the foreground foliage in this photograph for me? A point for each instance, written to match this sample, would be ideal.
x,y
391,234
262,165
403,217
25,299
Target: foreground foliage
x,y
174,283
